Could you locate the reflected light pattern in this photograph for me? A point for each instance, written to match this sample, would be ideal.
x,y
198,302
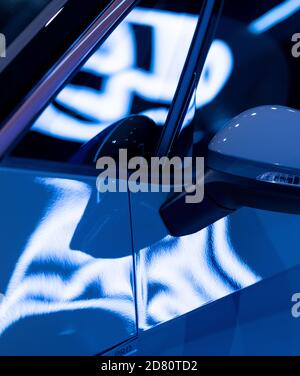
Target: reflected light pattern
x,y
177,276
36,293
174,276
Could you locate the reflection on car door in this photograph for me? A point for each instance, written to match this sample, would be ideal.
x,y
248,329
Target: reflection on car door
x,y
66,292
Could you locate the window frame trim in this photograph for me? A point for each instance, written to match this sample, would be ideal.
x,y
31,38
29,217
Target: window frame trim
x,y
18,123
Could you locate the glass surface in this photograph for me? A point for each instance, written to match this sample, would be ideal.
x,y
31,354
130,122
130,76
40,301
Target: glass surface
x,y
136,71
21,20
15,16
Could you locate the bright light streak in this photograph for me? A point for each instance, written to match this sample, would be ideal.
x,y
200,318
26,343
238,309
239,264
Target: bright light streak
x,y
276,15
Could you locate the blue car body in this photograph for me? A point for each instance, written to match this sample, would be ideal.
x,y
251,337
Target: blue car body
x,y
83,273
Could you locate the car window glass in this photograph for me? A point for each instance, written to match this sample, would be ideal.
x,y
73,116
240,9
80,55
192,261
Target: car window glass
x,y
136,71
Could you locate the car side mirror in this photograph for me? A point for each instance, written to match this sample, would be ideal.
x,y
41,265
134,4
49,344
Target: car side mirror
x,y
253,162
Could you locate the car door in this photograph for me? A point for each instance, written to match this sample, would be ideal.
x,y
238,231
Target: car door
x,y
60,296
237,279
64,291
67,263
178,275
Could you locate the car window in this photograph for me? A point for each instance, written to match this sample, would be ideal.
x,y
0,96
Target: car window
x,y
20,21
15,16
136,71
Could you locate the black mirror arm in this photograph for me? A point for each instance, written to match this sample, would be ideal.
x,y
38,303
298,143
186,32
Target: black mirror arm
x,y
183,218
224,194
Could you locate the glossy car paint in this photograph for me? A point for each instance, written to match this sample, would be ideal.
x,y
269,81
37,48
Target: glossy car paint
x,y
66,291
178,275
256,321
262,138
231,319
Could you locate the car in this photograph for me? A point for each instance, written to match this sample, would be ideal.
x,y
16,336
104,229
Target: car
x,y
84,272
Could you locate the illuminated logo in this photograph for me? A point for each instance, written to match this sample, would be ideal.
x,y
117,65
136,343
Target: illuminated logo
x,y
2,46
123,79
296,46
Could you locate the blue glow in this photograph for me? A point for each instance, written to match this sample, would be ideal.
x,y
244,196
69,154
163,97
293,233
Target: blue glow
x,y
276,15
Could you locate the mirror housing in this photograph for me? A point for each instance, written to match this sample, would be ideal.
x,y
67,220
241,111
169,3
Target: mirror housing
x,y
254,162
